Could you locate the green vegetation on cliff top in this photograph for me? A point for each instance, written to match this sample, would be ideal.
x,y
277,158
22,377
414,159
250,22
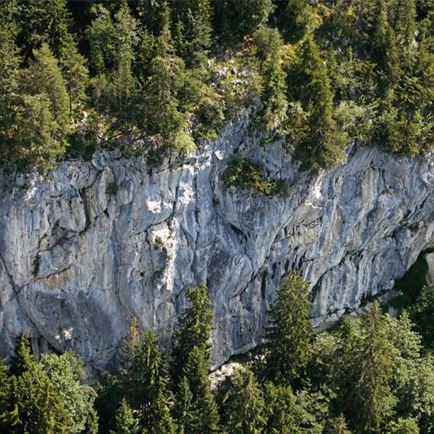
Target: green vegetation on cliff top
x,y
76,76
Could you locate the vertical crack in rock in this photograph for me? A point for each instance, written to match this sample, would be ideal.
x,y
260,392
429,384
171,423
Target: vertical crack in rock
x,y
106,256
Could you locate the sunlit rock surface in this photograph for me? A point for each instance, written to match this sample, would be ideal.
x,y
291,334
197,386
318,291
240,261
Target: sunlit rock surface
x,y
94,243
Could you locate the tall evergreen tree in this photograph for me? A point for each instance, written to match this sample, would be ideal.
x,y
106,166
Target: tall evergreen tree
x,y
36,407
193,30
203,413
9,81
126,422
283,414
245,404
371,403
145,382
195,326
322,145
42,112
190,365
186,414
67,375
289,335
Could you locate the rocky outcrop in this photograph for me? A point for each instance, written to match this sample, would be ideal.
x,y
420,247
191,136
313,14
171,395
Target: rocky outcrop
x,y
94,243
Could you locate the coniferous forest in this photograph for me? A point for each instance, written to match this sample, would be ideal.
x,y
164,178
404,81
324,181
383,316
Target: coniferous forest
x,y
154,77
374,374
157,76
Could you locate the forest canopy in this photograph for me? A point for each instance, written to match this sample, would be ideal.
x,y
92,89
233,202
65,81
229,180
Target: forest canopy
x,y
151,76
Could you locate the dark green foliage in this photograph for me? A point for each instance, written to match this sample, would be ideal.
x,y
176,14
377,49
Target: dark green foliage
x,y
422,314
200,415
239,18
245,404
368,375
296,18
244,173
162,72
186,414
195,326
289,334
372,402
42,112
46,397
126,422
318,142
144,381
193,30
196,407
283,414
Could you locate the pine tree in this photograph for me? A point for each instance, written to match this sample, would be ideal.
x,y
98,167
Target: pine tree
x,y
126,422
245,404
421,313
289,335
44,76
42,112
45,22
122,82
190,364
101,35
296,18
67,375
36,406
337,425
275,110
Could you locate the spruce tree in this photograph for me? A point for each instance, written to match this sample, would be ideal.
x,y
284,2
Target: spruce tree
x,y
186,414
282,412
76,76
5,391
101,37
244,405
125,421
239,18
372,362
36,406
337,425
203,412
9,83
322,145
289,334
190,364
45,22
195,326
296,18
42,112
44,76
67,376
274,114
145,383
193,30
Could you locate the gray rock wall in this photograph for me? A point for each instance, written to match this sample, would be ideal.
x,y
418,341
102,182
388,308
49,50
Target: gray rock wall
x,y
78,259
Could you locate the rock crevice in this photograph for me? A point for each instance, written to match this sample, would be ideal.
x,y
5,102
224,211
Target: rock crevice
x,y
79,258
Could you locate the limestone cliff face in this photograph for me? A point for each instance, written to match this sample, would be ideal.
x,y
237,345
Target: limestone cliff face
x,y
94,243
